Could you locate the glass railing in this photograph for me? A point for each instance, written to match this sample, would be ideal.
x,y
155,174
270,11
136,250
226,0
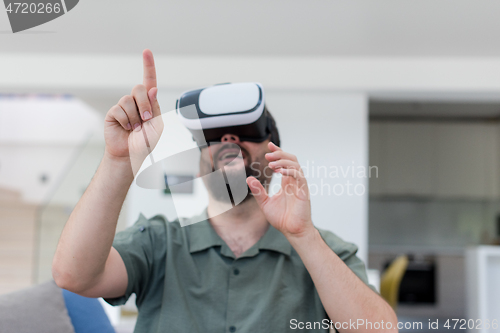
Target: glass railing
x,y
55,211
50,147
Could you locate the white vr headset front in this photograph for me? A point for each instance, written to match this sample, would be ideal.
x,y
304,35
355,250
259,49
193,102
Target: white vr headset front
x,y
235,108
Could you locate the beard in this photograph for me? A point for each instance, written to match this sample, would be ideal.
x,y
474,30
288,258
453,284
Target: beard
x,y
253,167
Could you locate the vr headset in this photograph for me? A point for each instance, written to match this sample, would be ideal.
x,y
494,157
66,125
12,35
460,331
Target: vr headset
x,y
229,108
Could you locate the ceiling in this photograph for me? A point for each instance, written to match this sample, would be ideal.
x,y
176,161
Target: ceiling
x,y
268,28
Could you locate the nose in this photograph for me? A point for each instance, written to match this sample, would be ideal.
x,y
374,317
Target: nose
x,y
230,138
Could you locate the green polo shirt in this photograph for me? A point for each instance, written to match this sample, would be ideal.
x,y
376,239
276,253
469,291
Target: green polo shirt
x,y
187,279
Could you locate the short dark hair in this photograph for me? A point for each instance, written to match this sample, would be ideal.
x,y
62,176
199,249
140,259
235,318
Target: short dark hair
x,y
273,129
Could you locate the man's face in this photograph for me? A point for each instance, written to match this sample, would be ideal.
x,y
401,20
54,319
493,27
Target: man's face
x,y
221,155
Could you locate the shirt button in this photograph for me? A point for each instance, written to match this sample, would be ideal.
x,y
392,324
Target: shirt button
x,y
232,329
236,272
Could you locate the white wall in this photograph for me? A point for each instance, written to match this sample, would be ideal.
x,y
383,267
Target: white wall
x,y
325,129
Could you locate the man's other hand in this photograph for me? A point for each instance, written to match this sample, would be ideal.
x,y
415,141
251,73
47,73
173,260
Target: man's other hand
x,y
289,210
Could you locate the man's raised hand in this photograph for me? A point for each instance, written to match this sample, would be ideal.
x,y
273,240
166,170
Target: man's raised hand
x,y
133,126
149,82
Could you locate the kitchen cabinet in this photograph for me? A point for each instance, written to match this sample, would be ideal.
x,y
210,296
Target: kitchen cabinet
x,y
376,158
465,160
408,159
435,159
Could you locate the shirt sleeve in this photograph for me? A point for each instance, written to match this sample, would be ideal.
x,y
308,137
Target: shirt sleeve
x,y
347,252
139,246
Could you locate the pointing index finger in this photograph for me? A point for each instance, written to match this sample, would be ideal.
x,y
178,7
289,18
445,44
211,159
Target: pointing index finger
x,y
149,69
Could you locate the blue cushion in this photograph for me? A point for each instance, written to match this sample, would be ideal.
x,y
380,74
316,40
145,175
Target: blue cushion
x,y
87,314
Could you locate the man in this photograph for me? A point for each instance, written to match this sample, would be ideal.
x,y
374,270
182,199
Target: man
x,y
261,266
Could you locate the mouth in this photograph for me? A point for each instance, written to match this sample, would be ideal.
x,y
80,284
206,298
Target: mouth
x,y
226,155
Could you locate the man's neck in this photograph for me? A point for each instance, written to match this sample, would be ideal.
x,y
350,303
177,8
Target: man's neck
x,y
241,226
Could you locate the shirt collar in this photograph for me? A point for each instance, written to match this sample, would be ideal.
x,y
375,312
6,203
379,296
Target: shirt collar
x,y
201,236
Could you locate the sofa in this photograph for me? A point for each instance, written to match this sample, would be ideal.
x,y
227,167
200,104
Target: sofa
x,y
46,308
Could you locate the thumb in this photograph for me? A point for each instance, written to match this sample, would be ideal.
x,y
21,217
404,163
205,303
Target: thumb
x,y
258,191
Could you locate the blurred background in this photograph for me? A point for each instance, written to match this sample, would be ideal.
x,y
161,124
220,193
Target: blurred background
x,y
409,91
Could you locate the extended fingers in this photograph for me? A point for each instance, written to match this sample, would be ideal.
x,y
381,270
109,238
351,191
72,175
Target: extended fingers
x,y
120,116
273,147
153,100
291,173
149,79
279,160
258,191
288,168
280,154
286,164
140,94
127,103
